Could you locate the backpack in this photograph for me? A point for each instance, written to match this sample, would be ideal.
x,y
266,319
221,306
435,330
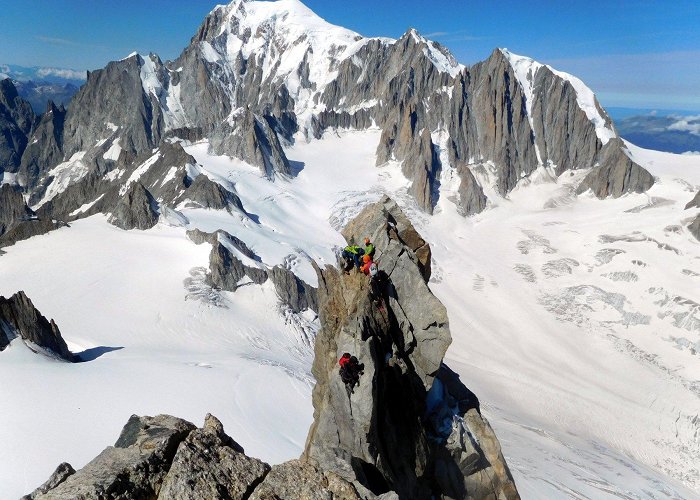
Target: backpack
x,y
373,269
350,369
344,360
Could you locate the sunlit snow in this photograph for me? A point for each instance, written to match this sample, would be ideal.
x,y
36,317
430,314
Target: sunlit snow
x,y
588,376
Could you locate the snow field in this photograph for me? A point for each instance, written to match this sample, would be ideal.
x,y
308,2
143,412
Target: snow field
x,y
589,398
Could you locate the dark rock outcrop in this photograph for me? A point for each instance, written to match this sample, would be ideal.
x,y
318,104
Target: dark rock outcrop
x,y
136,210
13,208
27,228
226,270
616,174
209,194
46,147
694,203
410,426
19,318
472,199
293,291
251,139
694,227
16,123
62,472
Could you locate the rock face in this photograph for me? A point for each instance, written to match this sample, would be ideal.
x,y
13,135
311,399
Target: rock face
x,y
62,472
695,202
23,229
167,458
694,227
616,175
294,292
117,92
46,147
13,209
472,199
208,194
410,426
133,468
16,123
229,472
300,479
227,269
136,210
253,140
19,318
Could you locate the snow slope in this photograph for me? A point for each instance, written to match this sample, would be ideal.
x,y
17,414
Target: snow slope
x,y
565,320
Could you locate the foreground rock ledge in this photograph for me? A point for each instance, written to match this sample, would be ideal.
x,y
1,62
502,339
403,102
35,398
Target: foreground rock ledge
x,y
409,430
168,458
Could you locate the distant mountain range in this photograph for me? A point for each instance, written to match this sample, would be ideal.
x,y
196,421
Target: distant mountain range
x,y
39,84
670,131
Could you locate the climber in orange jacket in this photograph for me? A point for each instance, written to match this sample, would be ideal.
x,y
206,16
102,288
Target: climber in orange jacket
x,y
366,264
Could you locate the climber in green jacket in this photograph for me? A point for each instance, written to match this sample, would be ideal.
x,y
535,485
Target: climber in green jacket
x,y
353,252
369,248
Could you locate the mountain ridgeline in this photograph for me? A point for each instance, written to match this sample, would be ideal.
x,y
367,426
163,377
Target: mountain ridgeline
x,y
259,75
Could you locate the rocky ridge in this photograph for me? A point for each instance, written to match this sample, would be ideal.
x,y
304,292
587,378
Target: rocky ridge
x,y
19,318
411,426
410,429
232,264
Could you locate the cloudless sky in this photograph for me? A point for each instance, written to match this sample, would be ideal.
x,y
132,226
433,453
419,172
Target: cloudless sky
x,y
642,53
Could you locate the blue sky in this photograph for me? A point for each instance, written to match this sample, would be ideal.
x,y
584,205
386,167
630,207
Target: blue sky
x,y
642,53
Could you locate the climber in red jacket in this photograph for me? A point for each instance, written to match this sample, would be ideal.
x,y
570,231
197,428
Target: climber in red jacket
x,y
350,371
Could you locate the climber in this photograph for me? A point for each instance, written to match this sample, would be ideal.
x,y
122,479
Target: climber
x,y
366,264
353,252
350,371
369,248
378,284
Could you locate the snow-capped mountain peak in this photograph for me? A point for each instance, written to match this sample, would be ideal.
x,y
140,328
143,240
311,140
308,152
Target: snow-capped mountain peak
x,y
443,60
526,69
282,36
